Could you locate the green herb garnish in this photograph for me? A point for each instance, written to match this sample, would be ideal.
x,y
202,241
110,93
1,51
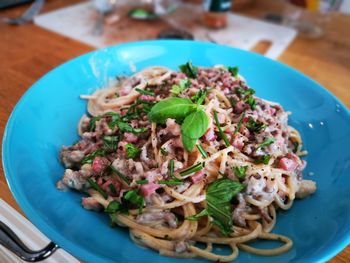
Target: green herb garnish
x,y
251,102
113,207
263,159
171,168
163,152
110,143
189,70
174,182
145,92
254,126
193,127
266,143
239,123
202,151
174,108
178,89
233,71
245,92
201,214
200,96
194,168
126,127
90,157
92,123
134,197
131,151
114,119
233,102
145,181
218,196
120,174
95,186
112,188
240,172
222,134
195,120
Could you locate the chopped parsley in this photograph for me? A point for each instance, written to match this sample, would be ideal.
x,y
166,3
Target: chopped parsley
x,y
132,151
189,70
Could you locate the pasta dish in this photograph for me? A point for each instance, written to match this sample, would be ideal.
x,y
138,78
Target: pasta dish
x,y
188,157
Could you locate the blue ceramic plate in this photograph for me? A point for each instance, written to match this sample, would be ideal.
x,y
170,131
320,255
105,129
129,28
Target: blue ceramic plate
x,y
47,115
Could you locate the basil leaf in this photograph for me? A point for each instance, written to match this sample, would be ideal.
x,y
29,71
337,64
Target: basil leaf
x,y
202,213
266,143
113,207
175,108
200,96
240,172
90,157
95,186
110,143
263,159
233,71
193,127
254,126
178,89
131,151
189,70
223,190
218,196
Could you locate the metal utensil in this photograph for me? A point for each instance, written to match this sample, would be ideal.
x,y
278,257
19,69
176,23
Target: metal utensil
x,y
27,16
11,241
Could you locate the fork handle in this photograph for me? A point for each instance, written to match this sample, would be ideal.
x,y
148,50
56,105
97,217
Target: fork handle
x,y
11,241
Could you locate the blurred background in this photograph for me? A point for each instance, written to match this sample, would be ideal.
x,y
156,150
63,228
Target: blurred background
x,y
312,36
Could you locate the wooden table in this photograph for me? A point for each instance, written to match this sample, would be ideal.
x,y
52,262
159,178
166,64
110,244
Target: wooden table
x,y
27,52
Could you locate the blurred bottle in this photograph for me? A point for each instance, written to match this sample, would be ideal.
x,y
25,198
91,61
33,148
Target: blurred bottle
x,y
309,17
215,13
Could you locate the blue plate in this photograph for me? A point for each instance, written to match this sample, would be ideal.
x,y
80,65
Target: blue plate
x,y
47,115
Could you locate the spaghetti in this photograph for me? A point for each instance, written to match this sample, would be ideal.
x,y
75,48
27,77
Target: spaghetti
x,y
189,157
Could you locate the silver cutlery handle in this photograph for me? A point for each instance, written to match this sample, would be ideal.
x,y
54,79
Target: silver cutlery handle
x,y
11,241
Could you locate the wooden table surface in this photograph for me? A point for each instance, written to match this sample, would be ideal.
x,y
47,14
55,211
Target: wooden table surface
x,y
27,52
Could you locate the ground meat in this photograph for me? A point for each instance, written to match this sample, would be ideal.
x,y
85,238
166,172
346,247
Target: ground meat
x,y
74,179
71,158
239,210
